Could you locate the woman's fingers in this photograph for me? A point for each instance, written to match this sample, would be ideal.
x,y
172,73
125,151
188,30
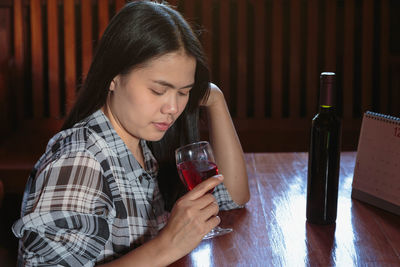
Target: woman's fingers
x,y
212,222
204,187
209,211
193,215
200,209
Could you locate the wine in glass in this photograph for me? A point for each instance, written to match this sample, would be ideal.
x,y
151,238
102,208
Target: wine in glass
x,y
195,163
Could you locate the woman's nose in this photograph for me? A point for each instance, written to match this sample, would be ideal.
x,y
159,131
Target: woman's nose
x,y
170,106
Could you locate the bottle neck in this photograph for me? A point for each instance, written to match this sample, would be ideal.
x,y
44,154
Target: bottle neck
x,y
327,91
326,109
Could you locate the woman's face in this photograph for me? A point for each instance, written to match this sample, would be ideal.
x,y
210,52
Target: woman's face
x,y
148,100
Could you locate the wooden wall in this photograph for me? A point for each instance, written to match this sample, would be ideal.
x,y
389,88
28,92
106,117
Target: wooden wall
x,y
266,55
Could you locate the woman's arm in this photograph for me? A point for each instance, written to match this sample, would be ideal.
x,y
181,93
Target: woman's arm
x,y
226,145
193,216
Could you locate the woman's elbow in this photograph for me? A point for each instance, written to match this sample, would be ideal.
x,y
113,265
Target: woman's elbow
x,y
243,198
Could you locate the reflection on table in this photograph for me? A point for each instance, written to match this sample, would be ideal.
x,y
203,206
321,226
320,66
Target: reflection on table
x,y
272,229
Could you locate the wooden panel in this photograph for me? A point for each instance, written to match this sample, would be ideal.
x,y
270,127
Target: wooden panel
x,y
37,58
277,58
367,54
173,2
226,59
103,16
119,4
53,58
384,57
87,38
241,53
18,56
5,58
295,50
395,86
70,53
259,58
312,84
224,48
189,10
330,36
348,62
207,22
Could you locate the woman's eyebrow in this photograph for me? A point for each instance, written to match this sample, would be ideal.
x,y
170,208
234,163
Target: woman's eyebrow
x,y
167,84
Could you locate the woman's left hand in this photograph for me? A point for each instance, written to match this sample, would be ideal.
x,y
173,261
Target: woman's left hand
x,y
214,96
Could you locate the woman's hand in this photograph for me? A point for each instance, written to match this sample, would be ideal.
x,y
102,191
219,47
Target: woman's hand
x,y
214,96
192,217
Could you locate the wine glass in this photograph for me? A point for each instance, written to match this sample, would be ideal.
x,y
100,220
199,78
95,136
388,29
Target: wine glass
x,y
195,163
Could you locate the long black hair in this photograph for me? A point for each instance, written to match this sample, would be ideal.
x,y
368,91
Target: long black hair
x,y
141,31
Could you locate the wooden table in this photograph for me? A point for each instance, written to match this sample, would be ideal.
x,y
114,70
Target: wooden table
x,y
272,229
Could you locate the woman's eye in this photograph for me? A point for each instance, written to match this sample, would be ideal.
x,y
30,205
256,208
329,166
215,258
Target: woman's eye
x,y
183,93
156,92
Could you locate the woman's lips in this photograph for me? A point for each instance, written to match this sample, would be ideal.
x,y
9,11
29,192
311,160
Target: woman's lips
x,y
161,126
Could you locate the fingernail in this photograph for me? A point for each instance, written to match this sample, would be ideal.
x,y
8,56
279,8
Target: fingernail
x,y
219,176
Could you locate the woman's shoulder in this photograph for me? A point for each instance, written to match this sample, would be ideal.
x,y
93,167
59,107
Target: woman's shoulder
x,y
75,142
88,139
86,135
76,139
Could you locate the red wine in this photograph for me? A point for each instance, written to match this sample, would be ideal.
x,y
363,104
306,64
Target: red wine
x,y
324,157
194,172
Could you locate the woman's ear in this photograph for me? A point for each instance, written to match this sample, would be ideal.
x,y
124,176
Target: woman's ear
x,y
114,83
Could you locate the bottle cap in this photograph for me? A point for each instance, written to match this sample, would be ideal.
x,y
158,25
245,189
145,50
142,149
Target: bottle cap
x,y
327,89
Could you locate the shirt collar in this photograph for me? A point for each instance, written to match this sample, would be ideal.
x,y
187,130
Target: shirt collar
x,y
100,123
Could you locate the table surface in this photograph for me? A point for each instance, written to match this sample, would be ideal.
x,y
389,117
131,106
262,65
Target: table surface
x,y
272,229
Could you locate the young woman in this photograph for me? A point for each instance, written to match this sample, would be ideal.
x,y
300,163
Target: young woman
x,y
107,190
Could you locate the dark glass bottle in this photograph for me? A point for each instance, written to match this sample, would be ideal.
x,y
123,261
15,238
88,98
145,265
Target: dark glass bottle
x,y
324,156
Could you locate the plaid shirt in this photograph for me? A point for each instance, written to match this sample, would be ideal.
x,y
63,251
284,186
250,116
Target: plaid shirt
x,y
89,201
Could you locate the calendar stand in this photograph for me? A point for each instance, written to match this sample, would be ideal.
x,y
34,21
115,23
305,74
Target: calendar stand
x,y
377,170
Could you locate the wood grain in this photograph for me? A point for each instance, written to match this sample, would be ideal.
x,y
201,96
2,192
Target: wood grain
x,y
259,59
295,57
241,59
207,35
37,58
69,53
312,57
5,47
103,16
330,36
366,54
277,58
87,36
224,49
384,44
272,229
119,4
53,59
348,49
19,56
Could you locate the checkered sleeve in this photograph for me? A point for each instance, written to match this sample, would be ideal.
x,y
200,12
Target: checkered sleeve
x,y
66,214
224,199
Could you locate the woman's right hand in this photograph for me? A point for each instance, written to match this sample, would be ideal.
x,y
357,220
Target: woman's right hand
x,y
192,217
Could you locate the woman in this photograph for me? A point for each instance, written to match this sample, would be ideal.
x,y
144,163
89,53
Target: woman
x,y
102,191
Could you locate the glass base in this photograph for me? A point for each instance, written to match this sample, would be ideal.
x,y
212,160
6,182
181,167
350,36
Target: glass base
x,y
217,231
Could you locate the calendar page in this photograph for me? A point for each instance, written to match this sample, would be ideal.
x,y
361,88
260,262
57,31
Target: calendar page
x,y
377,170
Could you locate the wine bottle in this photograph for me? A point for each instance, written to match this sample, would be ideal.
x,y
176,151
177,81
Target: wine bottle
x,y
324,156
